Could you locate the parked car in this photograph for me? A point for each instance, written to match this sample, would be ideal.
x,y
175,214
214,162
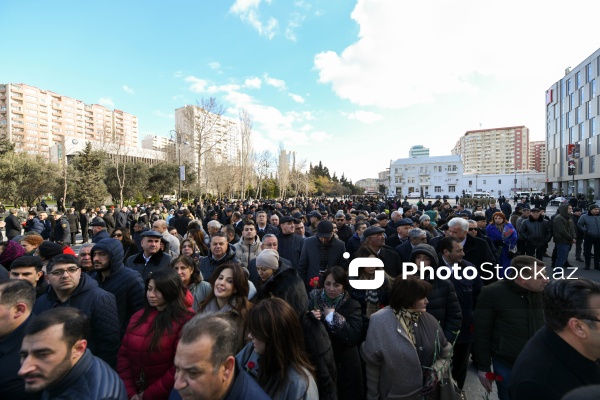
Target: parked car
x,y
557,201
414,195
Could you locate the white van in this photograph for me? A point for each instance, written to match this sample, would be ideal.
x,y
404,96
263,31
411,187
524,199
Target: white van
x,y
414,195
480,195
523,194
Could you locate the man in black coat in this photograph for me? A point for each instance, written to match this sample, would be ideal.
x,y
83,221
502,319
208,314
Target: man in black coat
x,y
62,230
151,258
13,225
403,226
84,224
98,230
344,232
73,220
374,238
289,245
415,236
321,252
121,218
109,220
563,355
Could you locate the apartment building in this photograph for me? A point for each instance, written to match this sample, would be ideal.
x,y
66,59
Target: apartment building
x,y
35,119
418,151
572,110
537,156
494,151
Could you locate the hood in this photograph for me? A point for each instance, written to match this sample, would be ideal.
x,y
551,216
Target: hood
x,y
426,249
563,210
114,248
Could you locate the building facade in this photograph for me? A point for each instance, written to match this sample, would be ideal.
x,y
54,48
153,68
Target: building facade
x,y
35,120
430,176
504,184
418,151
537,156
572,110
494,151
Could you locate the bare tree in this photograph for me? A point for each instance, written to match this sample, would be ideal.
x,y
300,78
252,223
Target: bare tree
x,y
246,150
206,127
264,162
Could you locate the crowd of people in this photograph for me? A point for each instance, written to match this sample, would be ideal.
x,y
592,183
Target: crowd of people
x,y
252,300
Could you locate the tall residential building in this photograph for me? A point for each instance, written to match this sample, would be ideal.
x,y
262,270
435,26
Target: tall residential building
x,y
418,151
153,142
572,119
494,151
537,156
36,119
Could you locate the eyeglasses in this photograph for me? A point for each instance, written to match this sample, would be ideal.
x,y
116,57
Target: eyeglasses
x,y
590,319
61,272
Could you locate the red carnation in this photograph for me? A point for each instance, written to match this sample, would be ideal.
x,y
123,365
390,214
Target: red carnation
x,y
490,376
251,365
499,378
314,282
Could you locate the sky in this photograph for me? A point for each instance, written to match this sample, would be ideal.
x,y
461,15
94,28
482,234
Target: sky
x,y
353,84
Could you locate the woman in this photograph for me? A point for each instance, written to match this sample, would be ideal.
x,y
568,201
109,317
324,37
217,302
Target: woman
x,y
277,352
198,237
504,236
192,279
371,301
129,246
229,295
30,243
267,266
9,251
331,303
145,359
405,345
426,224
188,248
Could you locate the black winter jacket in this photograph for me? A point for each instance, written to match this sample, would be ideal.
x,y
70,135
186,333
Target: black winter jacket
x,y
100,306
536,231
208,264
157,261
90,379
124,283
290,247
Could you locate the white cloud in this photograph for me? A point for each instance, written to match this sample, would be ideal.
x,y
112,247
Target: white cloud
x,y
128,89
278,83
161,114
216,66
297,98
198,85
320,136
367,117
253,83
106,102
439,47
248,12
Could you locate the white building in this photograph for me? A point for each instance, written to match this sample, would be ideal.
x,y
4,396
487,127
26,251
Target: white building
x,y
369,184
503,184
431,176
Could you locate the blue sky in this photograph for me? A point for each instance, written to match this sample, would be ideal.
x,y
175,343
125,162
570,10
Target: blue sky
x,y
351,83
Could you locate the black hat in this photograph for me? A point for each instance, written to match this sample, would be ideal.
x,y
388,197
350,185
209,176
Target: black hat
x,y
373,230
479,218
592,207
315,214
97,221
404,221
287,218
324,229
298,215
152,234
47,250
382,216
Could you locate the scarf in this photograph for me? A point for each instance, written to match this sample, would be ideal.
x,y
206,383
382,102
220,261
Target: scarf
x,y
331,303
324,254
408,319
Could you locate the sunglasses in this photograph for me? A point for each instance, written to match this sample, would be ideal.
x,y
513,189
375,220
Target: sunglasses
x,y
472,229
117,235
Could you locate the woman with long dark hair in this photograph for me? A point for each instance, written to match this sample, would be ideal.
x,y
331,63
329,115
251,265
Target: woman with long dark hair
x,y
129,246
198,237
229,295
277,352
192,279
145,359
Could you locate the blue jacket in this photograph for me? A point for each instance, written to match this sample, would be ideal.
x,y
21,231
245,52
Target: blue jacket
x,y
157,261
12,386
100,306
90,379
244,387
124,283
103,234
209,264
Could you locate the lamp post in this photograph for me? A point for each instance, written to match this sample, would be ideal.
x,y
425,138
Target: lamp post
x,y
177,138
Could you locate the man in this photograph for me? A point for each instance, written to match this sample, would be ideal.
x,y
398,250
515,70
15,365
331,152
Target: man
x,y
226,216
354,243
232,237
84,258
236,221
13,225
507,315
151,258
205,364
491,211
56,361
415,236
34,224
403,226
98,230
17,298
73,220
219,253
182,221
62,230
374,238
70,288
536,233
506,209
589,224
580,235
274,220
564,234
314,218
344,232
109,220
161,227
248,248
214,227
121,218
321,252
390,229
136,235
467,292
133,217
300,229
263,227
564,354
477,229
289,244
269,242
124,283
29,268
84,224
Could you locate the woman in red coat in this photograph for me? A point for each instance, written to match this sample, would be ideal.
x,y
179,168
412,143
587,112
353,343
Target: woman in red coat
x,y
145,359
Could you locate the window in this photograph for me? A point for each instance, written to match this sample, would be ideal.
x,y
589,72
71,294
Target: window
x,y
581,96
470,183
572,101
499,181
592,164
437,189
593,127
581,131
572,135
451,188
588,72
593,85
588,147
578,79
569,85
589,110
578,116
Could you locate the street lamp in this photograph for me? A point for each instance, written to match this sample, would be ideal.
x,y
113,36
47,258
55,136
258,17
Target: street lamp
x,y
177,138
